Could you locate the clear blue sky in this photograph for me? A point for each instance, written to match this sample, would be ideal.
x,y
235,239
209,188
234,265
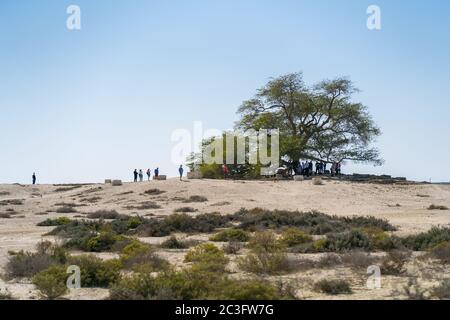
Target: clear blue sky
x,y
81,106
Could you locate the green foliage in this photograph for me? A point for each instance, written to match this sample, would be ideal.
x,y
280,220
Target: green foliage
x,y
174,243
102,242
347,241
310,222
54,222
292,237
427,240
95,272
141,257
51,282
207,257
193,284
317,122
236,235
441,252
182,223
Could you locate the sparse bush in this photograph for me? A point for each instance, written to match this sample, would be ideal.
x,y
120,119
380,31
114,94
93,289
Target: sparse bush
x,y
436,207
441,252
174,243
292,237
394,263
146,205
104,214
333,287
442,291
266,256
195,199
185,210
139,256
154,192
329,260
5,216
51,282
233,247
358,260
207,257
235,235
13,202
54,222
414,291
27,264
66,209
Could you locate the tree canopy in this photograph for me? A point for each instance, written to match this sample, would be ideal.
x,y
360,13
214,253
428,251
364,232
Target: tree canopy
x,y
320,122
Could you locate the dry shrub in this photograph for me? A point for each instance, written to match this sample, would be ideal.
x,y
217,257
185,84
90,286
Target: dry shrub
x,y
394,263
333,287
437,207
185,210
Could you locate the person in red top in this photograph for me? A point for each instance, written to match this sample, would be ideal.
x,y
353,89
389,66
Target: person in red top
x,y
225,171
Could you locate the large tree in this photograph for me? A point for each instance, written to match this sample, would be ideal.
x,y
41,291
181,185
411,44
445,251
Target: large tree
x,y
319,122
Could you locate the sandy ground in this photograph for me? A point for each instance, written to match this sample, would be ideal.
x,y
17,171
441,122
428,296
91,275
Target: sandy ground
x,y
403,205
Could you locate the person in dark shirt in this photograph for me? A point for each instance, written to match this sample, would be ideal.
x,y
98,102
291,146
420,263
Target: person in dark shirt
x,y
33,177
135,175
180,171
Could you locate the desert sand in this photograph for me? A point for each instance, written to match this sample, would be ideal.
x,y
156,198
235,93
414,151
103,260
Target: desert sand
x,y
405,206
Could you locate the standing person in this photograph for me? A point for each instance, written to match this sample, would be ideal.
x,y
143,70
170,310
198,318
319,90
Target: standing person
x,y
338,168
225,171
141,175
310,168
149,173
324,168
33,177
135,173
180,171
157,172
317,167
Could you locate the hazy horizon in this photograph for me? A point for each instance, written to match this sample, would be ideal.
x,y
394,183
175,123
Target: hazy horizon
x,y
96,103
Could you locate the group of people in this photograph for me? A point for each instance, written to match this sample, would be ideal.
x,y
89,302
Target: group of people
x,y
139,175
306,168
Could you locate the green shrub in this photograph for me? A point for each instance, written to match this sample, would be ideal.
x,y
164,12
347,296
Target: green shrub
x,y
333,287
54,222
203,223
427,240
95,272
236,235
310,222
174,243
51,282
102,242
141,257
347,241
266,255
292,237
192,284
207,256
